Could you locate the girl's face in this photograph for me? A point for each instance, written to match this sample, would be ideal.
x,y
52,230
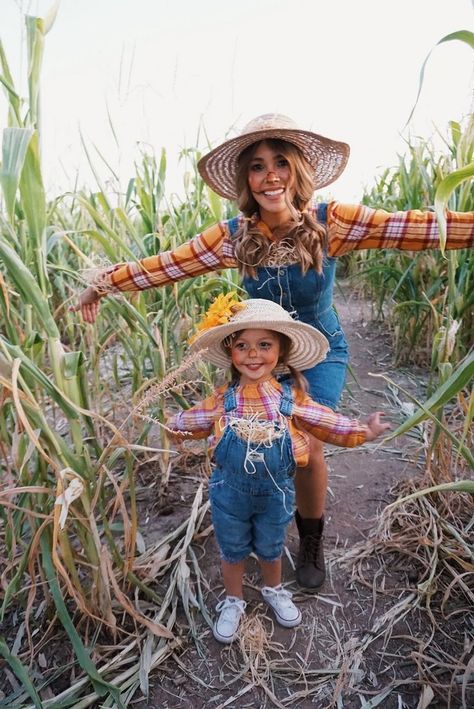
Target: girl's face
x,y
255,354
269,177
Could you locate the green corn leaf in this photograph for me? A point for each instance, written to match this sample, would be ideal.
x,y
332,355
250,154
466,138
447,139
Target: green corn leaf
x,y
6,80
26,284
109,232
33,197
215,203
462,36
30,369
83,657
35,48
456,382
460,378
21,672
459,486
15,144
445,188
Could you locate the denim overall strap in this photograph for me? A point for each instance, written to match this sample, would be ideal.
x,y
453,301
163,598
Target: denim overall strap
x,y
286,402
322,212
233,225
230,402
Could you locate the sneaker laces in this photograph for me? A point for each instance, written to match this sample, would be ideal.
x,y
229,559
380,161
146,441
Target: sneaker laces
x,y
231,608
279,595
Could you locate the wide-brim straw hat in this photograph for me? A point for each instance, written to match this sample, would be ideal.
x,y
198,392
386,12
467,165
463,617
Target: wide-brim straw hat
x,y
327,157
308,345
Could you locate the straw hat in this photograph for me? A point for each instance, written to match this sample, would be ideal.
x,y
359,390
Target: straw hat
x,y
327,157
308,345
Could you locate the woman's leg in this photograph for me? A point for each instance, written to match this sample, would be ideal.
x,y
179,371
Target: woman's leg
x,y
233,575
311,485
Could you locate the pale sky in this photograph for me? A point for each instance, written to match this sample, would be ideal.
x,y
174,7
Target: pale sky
x,y
347,69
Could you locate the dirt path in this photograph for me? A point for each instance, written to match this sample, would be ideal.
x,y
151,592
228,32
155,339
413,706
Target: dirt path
x,y
335,658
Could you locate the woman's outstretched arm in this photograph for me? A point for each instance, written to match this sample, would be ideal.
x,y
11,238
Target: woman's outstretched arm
x,y
352,227
211,250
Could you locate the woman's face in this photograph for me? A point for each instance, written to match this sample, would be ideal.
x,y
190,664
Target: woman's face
x,y
269,180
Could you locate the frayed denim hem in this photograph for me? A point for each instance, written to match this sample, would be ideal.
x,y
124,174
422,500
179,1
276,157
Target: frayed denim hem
x,y
270,561
228,560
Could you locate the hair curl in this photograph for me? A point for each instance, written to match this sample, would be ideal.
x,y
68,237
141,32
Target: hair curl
x,y
302,230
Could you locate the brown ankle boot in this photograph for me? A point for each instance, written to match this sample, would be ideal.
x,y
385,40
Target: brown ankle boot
x,y
310,567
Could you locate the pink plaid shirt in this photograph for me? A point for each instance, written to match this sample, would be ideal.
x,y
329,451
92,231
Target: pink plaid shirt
x,y
207,418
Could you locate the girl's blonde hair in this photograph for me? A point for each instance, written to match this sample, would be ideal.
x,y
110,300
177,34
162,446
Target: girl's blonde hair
x,y
299,381
303,231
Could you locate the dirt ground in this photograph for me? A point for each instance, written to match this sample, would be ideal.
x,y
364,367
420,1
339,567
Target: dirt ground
x,y
346,653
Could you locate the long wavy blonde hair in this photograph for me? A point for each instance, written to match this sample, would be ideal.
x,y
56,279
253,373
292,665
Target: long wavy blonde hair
x,y
302,231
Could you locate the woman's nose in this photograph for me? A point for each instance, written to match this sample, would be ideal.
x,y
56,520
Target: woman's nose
x,y
272,176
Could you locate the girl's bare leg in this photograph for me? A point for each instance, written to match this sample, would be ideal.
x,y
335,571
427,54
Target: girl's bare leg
x,y
311,485
271,572
233,575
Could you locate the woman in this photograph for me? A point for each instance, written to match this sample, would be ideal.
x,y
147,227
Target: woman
x,y
285,250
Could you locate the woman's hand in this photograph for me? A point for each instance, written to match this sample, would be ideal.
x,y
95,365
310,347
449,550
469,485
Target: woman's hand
x,y
177,436
375,427
89,303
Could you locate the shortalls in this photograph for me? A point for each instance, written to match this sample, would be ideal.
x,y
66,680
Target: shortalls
x,y
308,298
251,489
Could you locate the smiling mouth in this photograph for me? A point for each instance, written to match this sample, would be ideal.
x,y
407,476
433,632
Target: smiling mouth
x,y
273,193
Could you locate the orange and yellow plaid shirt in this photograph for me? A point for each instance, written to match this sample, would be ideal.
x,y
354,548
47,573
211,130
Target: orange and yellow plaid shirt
x,y
262,400
350,227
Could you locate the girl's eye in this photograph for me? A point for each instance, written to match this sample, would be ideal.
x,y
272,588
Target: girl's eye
x,y
282,162
265,345
256,167
240,346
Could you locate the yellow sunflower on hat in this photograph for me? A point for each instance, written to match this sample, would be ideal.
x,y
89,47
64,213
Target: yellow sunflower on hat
x,y
219,312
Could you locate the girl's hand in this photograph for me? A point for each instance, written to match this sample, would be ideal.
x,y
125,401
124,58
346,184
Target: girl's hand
x,y
89,303
375,427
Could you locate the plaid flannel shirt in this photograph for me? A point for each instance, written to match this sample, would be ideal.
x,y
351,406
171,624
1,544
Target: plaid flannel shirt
x,y
350,227
207,418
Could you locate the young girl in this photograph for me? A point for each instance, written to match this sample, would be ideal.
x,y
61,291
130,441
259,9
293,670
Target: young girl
x,y
259,431
285,248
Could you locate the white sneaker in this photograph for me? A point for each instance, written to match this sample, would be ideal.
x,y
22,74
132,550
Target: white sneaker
x,y
279,600
230,611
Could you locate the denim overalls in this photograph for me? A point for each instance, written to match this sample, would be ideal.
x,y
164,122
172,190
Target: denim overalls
x,y
308,298
251,489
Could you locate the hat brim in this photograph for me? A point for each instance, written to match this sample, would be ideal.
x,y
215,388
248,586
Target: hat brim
x,y
308,345
327,157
